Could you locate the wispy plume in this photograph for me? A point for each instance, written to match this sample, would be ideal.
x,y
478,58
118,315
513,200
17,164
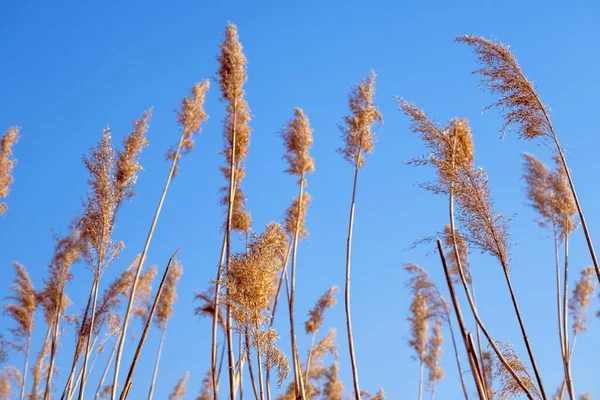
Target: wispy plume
x,y
7,163
179,390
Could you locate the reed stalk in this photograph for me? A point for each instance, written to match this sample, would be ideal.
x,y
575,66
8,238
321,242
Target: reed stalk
x,y
138,350
190,118
155,373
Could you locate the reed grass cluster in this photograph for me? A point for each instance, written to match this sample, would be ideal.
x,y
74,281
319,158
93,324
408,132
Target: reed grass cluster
x,y
242,300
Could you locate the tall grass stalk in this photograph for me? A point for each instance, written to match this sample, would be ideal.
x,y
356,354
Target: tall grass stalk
x,y
190,117
138,350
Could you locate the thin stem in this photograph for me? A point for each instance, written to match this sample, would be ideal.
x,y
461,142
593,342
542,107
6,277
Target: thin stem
x,y
260,373
472,356
241,364
457,356
54,340
92,321
80,374
105,373
272,319
522,326
478,336
138,350
225,254
138,271
312,344
571,184
155,373
250,369
421,367
347,289
77,353
504,264
299,387
567,358
25,365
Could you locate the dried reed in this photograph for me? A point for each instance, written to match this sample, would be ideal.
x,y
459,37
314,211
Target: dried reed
x,y
7,163
358,141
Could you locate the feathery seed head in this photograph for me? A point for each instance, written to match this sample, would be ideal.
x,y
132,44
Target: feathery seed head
x,y
7,163
291,217
508,386
102,203
9,377
297,137
179,390
23,306
500,74
141,302
434,354
127,165
232,65
333,389
168,297
206,392
190,117
563,202
582,297
327,300
539,188
419,325
249,275
356,131
463,254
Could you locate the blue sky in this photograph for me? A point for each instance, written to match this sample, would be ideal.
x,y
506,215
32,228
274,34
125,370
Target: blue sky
x,y
70,68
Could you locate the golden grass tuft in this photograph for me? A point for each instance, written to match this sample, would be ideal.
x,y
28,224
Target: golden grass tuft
x,y
356,131
7,163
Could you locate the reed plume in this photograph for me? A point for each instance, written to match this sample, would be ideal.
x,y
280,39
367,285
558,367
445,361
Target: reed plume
x,y
433,356
179,390
164,309
249,286
333,389
482,226
206,392
21,310
9,376
52,297
316,374
7,163
3,349
420,281
419,329
522,109
507,385
142,302
190,117
148,318
236,133
487,367
550,196
358,140
297,138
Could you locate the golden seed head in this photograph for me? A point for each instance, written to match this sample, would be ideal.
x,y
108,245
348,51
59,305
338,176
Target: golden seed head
x,y
297,137
168,297
22,307
7,163
508,386
581,299
190,116
434,354
127,165
291,217
142,302
179,390
419,325
356,131
327,300
500,74
249,275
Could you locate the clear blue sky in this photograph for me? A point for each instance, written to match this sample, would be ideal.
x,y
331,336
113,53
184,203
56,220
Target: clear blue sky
x,y
70,68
